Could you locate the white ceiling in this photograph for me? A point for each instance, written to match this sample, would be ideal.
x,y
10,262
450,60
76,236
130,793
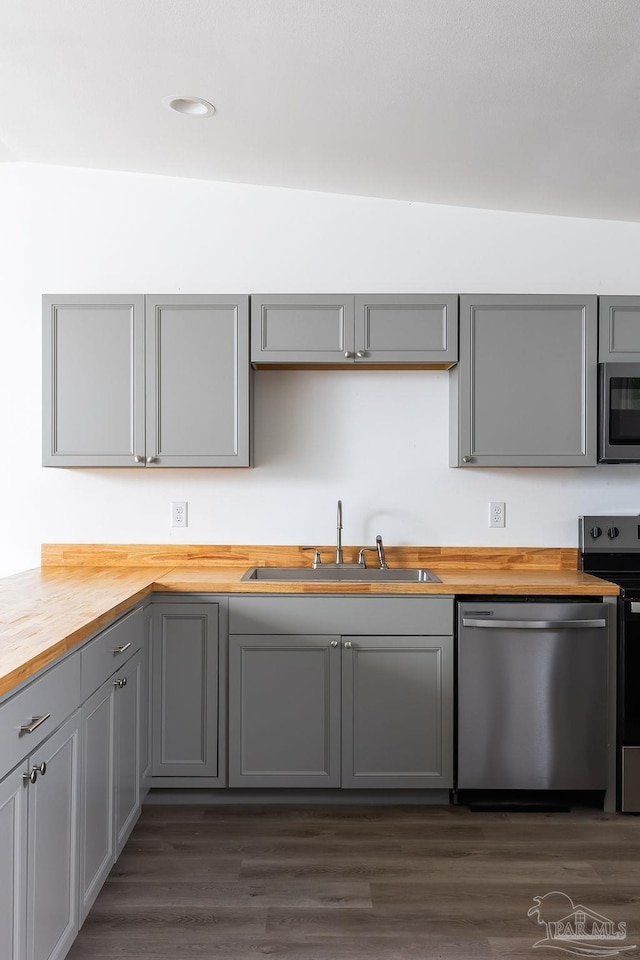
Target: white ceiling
x,y
526,105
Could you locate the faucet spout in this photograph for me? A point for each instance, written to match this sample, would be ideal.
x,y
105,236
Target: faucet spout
x,y
381,557
339,553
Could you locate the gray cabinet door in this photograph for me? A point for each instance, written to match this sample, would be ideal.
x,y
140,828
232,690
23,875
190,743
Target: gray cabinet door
x,y
524,393
126,684
93,381
145,701
13,865
97,821
397,712
284,711
406,329
52,876
197,381
619,324
185,690
293,328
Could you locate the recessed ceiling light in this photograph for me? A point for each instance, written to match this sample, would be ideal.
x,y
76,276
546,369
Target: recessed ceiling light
x,y
190,106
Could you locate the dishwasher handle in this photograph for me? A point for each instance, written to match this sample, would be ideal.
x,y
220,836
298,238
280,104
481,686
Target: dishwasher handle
x,y
533,624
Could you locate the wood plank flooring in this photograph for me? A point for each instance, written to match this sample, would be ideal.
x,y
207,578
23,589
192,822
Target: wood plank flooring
x,y
356,883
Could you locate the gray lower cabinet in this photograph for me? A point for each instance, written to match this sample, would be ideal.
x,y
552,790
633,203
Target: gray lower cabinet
x,y
52,844
352,701
397,711
186,695
146,655
97,830
145,381
127,749
112,722
524,392
284,711
39,815
619,329
13,865
381,329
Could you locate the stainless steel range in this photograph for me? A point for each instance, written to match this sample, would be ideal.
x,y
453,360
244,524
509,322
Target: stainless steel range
x,y
610,548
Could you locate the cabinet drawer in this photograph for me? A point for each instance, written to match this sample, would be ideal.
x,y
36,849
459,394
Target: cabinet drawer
x,y
56,693
110,650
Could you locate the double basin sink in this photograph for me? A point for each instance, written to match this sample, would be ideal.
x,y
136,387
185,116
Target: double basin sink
x,y
341,574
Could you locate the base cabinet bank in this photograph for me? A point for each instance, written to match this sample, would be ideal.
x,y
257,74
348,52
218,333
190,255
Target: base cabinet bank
x,y
340,692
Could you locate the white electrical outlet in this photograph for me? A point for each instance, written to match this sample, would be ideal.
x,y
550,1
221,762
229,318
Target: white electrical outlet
x,y
496,513
178,513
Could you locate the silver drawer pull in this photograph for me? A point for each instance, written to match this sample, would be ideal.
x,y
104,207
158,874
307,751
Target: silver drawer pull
x,y
34,724
122,648
41,768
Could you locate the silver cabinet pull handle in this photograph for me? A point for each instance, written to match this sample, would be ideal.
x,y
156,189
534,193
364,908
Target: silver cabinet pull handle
x,y
466,459
151,459
122,682
348,354
334,643
122,648
361,353
138,459
347,644
34,724
41,768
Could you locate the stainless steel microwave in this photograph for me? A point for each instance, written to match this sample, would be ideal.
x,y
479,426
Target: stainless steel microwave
x,y
619,393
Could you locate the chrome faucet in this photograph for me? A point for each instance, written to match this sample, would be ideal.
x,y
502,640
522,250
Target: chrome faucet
x,y
379,548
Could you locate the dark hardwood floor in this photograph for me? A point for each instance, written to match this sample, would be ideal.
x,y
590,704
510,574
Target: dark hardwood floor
x,y
356,883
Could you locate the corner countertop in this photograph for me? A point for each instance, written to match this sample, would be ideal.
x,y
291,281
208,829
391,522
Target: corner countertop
x,y
48,611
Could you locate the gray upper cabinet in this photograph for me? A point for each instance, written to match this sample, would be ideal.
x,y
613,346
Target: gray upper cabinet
x,y
146,381
619,322
381,329
407,329
197,381
93,381
302,329
524,393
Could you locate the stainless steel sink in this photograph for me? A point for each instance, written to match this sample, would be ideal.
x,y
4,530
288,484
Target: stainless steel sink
x,y
341,574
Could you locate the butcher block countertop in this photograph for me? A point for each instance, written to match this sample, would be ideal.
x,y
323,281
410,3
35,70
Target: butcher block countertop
x,y
82,587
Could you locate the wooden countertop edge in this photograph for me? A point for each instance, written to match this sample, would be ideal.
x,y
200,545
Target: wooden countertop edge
x,y
209,580
46,657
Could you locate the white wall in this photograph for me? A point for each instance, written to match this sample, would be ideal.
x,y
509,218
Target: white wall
x,y
377,440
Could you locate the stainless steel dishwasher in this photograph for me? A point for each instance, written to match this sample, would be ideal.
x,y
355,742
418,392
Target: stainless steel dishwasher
x,y
532,696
